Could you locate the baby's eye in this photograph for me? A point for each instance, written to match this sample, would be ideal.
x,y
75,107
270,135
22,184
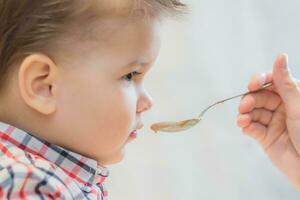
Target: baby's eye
x,y
130,76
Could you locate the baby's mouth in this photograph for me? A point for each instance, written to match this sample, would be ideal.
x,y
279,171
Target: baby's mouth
x,y
133,134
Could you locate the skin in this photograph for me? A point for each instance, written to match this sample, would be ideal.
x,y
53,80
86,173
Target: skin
x,y
87,99
272,118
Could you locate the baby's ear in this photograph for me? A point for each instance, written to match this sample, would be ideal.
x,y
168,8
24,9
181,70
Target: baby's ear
x,y
36,79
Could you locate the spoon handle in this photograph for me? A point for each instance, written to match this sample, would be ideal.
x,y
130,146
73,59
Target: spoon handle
x,y
236,96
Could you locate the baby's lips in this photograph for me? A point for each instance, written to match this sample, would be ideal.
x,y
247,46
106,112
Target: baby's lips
x,y
133,134
139,126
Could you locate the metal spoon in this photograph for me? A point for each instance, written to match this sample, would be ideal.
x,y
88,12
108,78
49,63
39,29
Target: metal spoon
x,y
186,124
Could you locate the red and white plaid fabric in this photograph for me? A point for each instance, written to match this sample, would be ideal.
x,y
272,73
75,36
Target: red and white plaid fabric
x,y
31,168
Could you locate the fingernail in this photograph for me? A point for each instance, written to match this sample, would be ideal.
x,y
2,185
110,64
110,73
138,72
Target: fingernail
x,y
283,62
262,78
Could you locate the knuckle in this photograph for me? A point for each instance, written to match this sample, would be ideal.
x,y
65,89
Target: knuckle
x,y
291,85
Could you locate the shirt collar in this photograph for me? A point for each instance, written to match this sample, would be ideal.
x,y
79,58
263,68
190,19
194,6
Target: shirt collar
x,y
84,170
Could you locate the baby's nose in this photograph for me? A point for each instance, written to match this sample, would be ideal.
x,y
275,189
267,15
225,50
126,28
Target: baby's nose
x,y
145,102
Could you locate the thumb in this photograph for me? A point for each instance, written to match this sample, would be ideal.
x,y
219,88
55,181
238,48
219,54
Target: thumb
x,y
286,86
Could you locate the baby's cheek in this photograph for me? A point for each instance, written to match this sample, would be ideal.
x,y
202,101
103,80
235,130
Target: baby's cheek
x,y
127,119
129,110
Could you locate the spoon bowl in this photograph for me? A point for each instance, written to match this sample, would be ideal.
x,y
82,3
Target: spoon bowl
x,y
175,126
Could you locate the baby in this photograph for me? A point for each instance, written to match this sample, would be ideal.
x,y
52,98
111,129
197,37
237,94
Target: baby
x,y
72,94
272,117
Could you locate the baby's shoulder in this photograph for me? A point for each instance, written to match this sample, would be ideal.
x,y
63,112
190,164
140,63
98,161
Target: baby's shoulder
x,y
18,164
13,157
21,170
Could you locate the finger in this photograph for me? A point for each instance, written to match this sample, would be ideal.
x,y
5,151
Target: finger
x,y
259,115
257,131
258,80
243,120
287,86
263,99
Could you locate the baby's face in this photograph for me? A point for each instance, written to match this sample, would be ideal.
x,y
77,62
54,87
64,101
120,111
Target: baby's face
x,y
101,99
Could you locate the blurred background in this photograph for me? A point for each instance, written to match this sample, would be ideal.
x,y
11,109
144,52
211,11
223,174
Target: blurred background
x,y
206,56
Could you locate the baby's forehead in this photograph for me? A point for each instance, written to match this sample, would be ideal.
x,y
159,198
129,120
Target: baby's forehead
x,y
108,8
110,34
107,16
119,4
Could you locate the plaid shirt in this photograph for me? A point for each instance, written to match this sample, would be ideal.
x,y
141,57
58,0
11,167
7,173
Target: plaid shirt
x,y
31,168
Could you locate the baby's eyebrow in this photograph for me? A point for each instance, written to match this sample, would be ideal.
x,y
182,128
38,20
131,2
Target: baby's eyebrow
x,y
139,62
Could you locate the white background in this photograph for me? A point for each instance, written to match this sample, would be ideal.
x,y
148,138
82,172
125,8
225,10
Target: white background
x,y
209,55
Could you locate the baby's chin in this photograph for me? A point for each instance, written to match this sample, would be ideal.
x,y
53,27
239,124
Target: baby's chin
x,y
116,158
